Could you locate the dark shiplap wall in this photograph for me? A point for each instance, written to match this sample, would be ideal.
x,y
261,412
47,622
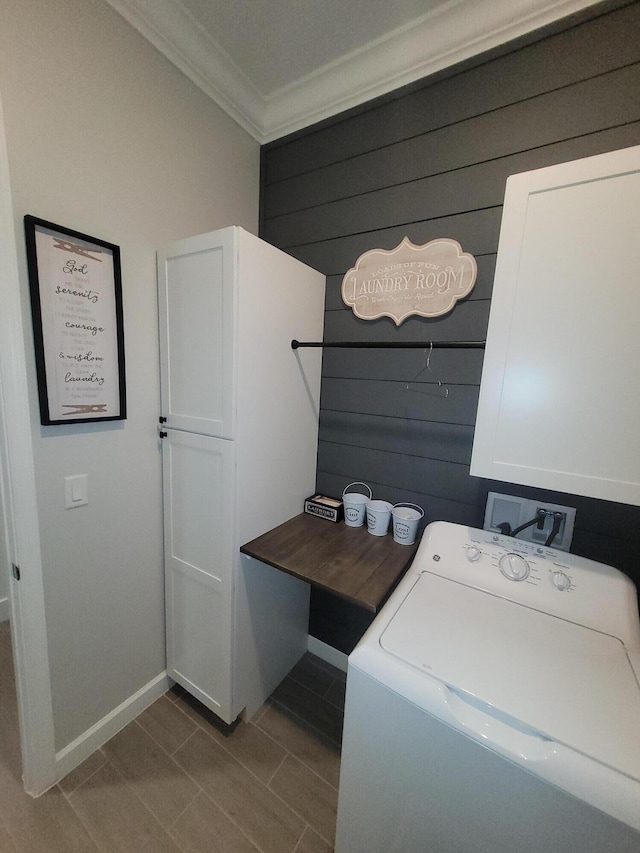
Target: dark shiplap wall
x,y
432,162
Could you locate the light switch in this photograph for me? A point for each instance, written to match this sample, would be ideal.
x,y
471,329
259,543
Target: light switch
x,y
75,491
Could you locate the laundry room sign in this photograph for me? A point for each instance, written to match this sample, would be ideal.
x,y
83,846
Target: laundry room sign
x,y
409,280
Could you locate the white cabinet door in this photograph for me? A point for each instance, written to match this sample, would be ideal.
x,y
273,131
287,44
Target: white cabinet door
x,y
196,296
560,395
199,558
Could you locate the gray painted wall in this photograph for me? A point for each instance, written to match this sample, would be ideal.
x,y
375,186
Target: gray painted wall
x,y
432,162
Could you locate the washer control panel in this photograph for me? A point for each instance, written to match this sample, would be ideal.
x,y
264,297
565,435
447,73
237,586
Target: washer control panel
x,y
516,560
555,582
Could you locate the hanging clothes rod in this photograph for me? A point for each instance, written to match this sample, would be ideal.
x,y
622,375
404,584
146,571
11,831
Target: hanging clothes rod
x,y
392,345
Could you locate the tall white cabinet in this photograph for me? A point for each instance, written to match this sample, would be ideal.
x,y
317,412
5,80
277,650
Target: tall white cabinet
x,y
239,457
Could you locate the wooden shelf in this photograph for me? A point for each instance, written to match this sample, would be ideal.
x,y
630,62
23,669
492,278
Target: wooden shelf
x,y
346,561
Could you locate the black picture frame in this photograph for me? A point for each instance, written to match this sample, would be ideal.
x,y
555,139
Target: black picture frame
x,y
78,330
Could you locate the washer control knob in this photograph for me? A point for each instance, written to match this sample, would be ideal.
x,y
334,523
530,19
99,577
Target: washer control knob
x,y
561,581
514,567
473,553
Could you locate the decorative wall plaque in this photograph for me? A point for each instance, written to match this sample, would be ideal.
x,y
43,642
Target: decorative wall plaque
x,y
76,305
409,280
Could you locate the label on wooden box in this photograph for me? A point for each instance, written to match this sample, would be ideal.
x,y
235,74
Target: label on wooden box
x,y
324,507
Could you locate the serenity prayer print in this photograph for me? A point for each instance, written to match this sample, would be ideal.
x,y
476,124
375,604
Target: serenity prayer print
x,y
79,325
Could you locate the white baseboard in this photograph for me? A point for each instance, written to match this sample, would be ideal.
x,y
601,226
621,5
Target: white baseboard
x,y
328,653
5,610
82,747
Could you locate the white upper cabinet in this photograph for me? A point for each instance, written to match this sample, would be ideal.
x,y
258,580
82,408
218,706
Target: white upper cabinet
x,y
196,292
559,400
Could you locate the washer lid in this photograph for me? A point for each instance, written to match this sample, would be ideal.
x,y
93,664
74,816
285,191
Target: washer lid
x,y
571,684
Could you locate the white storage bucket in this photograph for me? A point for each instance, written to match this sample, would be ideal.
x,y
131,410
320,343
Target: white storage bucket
x,y
378,517
354,504
406,518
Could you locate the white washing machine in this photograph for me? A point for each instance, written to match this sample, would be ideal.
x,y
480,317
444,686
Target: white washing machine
x,y
494,705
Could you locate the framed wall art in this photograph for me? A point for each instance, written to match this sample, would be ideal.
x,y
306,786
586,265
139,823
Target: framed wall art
x,y
76,306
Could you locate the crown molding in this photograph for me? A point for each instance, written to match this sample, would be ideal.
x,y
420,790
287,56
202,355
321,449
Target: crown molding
x,y
452,33
455,31
169,27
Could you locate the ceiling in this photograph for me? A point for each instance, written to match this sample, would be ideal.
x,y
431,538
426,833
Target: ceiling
x,y
276,66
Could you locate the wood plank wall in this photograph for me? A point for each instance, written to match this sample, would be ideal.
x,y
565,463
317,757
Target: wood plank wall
x,y
430,162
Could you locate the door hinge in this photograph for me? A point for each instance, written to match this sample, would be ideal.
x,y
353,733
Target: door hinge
x,y
162,420
15,571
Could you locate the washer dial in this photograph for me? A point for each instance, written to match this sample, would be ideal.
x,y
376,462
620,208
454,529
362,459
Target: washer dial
x,y
561,581
514,567
473,553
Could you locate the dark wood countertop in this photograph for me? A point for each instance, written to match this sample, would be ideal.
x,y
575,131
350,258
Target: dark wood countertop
x,y
346,561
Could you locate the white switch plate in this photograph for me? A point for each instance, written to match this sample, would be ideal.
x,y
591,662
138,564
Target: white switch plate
x,y
75,491
517,511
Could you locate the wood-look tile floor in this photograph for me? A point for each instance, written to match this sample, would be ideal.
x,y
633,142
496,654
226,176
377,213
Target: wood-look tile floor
x,y
172,781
